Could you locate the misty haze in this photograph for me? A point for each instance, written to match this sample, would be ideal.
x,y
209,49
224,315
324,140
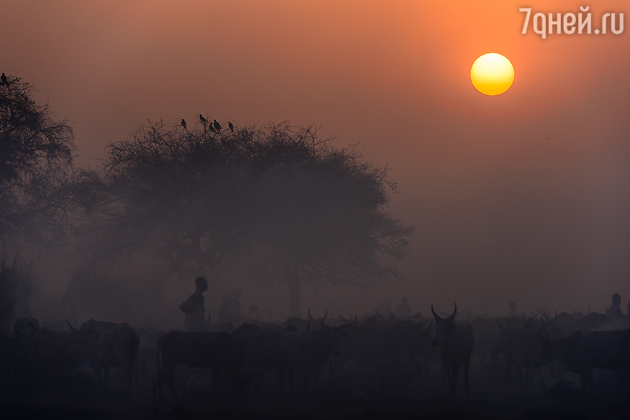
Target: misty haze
x,y
306,209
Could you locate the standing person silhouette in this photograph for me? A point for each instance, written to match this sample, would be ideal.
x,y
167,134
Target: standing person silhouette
x,y
194,308
403,309
512,309
615,309
225,308
236,316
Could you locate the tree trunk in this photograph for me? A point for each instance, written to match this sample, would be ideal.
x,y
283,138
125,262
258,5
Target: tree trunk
x,y
295,289
200,256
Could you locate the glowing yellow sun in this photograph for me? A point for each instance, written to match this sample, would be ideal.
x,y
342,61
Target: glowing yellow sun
x,y
492,74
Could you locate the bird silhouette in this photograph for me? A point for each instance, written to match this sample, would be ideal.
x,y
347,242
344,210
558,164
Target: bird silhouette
x,y
184,123
4,80
217,126
211,128
231,126
203,120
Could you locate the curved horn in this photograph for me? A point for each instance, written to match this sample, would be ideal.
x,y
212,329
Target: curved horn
x,y
379,315
544,313
499,324
71,327
341,327
322,320
393,316
452,317
436,316
541,331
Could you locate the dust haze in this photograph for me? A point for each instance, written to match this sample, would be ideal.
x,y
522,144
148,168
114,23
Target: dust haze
x,y
514,208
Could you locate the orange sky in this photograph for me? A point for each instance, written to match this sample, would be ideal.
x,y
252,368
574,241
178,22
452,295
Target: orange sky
x,y
523,196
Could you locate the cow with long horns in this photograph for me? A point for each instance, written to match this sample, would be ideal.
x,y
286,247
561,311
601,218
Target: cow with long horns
x,y
290,350
456,343
107,345
27,336
215,350
584,351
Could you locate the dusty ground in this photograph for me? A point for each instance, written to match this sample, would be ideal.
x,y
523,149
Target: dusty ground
x,y
565,404
425,400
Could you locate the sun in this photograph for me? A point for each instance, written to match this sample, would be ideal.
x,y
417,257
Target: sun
x,y
492,74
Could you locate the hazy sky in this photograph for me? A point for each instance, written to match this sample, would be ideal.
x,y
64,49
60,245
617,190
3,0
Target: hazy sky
x,y
524,196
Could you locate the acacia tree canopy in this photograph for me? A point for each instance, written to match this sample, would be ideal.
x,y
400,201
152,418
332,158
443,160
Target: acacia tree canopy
x,y
35,169
277,203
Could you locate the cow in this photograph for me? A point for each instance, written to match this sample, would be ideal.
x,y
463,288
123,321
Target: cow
x,y
93,324
317,347
371,381
108,346
584,351
27,336
403,341
375,338
146,352
456,343
53,359
486,333
299,323
217,350
522,346
289,350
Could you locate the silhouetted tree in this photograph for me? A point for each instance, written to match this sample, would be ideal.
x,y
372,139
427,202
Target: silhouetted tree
x,y
35,168
277,203
317,213
157,192
16,285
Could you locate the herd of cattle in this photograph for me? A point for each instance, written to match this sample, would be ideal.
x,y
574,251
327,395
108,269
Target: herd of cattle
x,y
373,357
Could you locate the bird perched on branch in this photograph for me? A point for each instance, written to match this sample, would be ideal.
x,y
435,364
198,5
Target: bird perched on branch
x,y
217,126
184,123
211,128
4,79
231,126
203,120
